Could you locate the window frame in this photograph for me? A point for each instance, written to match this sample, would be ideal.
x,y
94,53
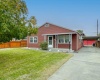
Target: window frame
x,y
67,38
33,39
80,38
46,25
64,39
59,37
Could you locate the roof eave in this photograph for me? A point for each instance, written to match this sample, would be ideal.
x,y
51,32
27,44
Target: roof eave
x,y
60,33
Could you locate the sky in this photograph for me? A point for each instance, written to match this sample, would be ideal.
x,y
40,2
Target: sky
x,y
72,14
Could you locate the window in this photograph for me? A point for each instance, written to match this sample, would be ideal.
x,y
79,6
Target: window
x,y
33,39
66,38
80,38
46,25
63,38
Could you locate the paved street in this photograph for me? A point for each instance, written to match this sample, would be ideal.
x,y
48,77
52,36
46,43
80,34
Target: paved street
x,y
85,65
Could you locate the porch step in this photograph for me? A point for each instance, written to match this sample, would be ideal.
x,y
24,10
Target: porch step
x,y
60,50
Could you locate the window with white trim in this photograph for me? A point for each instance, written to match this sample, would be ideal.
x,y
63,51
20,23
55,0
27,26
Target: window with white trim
x,y
63,39
33,39
80,38
60,39
46,25
66,38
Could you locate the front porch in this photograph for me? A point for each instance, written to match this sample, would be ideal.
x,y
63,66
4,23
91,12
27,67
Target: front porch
x,y
60,50
59,42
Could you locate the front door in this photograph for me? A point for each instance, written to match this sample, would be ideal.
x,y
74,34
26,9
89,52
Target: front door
x,y
50,41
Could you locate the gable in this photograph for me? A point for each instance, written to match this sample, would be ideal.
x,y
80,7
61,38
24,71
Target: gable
x,y
49,28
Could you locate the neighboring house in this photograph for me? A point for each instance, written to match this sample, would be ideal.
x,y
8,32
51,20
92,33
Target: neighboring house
x,y
56,36
90,40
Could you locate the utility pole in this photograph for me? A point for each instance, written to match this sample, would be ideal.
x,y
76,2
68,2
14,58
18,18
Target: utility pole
x,y
97,27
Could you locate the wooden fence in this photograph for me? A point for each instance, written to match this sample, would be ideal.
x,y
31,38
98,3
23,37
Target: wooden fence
x,y
14,44
98,44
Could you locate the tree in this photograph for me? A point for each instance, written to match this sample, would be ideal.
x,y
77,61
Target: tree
x,y
32,26
13,20
80,31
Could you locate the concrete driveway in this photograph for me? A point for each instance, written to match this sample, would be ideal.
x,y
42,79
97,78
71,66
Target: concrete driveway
x,y
85,65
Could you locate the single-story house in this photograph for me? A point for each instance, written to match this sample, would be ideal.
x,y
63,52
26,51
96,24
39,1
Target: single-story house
x,y
56,36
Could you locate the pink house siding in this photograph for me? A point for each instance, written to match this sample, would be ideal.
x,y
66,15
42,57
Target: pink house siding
x,y
63,46
80,43
74,42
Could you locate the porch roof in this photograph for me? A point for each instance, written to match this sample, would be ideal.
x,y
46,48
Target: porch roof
x,y
60,33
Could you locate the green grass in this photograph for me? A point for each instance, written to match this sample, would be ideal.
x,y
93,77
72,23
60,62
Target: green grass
x,y
23,64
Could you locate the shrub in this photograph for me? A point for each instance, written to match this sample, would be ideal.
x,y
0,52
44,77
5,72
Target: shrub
x,y
44,46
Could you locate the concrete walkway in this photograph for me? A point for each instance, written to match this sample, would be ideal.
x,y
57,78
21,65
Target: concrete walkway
x,y
85,65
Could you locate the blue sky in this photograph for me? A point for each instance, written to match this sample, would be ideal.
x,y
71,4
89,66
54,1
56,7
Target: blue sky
x,y
73,14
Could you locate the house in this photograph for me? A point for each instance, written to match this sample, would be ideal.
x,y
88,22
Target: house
x,y
56,36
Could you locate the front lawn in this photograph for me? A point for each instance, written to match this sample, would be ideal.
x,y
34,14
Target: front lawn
x,y
24,64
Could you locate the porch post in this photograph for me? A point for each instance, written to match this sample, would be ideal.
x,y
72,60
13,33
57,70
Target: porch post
x,y
71,40
55,41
